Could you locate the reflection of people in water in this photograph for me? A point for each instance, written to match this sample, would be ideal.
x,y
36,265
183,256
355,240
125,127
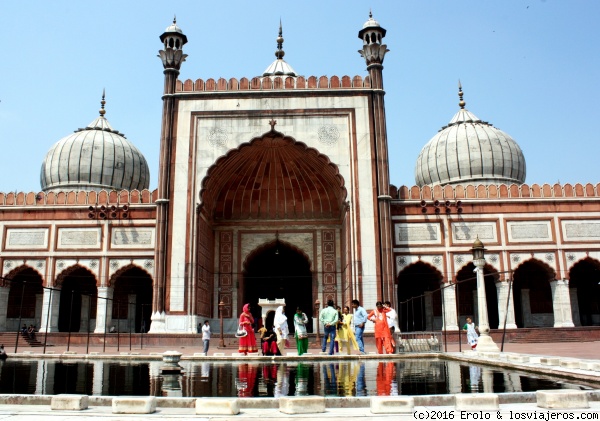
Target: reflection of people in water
x,y
282,387
330,379
302,373
474,377
361,384
347,377
246,380
386,375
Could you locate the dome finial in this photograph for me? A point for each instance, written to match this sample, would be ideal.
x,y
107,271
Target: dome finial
x,y
370,13
174,19
102,110
280,53
461,103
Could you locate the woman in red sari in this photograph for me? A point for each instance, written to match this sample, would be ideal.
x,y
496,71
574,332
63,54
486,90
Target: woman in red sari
x,y
248,342
383,336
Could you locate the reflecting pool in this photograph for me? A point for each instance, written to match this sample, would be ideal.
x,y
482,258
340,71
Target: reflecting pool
x,y
266,379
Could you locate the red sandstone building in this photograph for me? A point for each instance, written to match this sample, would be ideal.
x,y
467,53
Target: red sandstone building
x,y
277,186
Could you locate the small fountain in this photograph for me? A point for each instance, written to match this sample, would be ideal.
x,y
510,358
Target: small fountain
x,y
171,363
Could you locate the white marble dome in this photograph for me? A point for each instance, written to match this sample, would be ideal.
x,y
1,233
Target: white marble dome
x,y
94,158
470,151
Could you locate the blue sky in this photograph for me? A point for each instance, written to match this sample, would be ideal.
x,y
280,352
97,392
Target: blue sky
x,y
528,67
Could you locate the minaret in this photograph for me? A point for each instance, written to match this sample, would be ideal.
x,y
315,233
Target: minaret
x,y
373,52
171,56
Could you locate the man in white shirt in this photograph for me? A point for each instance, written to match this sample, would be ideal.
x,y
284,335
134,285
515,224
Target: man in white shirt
x,y
206,336
392,320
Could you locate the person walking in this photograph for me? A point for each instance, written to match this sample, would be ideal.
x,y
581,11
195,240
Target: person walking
x,y
360,319
3,354
281,328
392,321
329,318
382,331
300,321
206,336
248,342
472,336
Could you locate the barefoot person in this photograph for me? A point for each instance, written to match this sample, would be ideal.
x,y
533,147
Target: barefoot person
x,y
382,331
300,321
472,335
248,342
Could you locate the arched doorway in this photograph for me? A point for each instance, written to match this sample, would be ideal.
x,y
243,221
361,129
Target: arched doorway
x,y
132,299
25,286
584,280
78,297
278,270
419,298
466,287
533,294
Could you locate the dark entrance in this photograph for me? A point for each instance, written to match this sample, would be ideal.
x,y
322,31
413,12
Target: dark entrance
x,y
535,277
414,282
78,282
585,279
279,271
466,287
132,281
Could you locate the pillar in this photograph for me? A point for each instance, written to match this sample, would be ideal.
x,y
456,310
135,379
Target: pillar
x,y
487,380
4,291
131,306
450,316
428,311
505,293
104,307
44,383
561,303
39,304
50,309
526,308
454,377
85,307
574,306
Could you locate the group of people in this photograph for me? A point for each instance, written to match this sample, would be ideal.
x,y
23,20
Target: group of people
x,y
342,330
28,331
338,327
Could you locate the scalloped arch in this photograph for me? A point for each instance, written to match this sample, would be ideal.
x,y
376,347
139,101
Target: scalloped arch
x,y
66,272
260,249
273,177
16,271
115,276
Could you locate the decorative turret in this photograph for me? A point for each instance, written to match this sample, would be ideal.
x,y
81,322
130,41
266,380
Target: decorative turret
x,y
373,49
279,67
173,39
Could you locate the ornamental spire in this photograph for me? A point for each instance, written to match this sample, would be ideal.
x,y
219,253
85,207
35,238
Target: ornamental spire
x,y
280,53
102,102
461,103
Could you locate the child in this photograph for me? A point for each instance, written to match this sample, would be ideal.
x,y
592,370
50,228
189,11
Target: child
x,y
471,333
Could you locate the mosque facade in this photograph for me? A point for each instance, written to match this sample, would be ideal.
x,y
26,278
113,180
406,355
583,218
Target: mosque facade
x,y
277,186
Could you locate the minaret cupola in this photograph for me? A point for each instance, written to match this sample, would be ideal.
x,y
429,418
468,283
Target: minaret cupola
x,y
372,35
173,39
280,67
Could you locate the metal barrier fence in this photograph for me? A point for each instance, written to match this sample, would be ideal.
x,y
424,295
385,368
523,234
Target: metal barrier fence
x,y
419,342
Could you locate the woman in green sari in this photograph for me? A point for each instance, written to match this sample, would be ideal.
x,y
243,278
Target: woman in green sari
x,y
301,335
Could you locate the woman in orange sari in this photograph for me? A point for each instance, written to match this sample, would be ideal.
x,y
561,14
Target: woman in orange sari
x,y
383,337
248,342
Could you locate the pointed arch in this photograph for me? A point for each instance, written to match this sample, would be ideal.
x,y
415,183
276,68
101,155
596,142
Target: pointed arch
x,y
584,288
273,177
16,271
466,291
124,269
532,294
270,245
65,273
419,297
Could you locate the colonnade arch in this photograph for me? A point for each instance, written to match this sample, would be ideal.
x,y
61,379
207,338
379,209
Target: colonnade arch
x,y
466,288
132,298
20,298
533,294
584,284
78,299
419,298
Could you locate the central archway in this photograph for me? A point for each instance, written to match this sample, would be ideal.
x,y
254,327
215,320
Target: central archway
x,y
278,270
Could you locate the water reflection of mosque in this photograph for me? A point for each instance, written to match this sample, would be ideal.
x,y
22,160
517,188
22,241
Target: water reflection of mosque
x,y
259,379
